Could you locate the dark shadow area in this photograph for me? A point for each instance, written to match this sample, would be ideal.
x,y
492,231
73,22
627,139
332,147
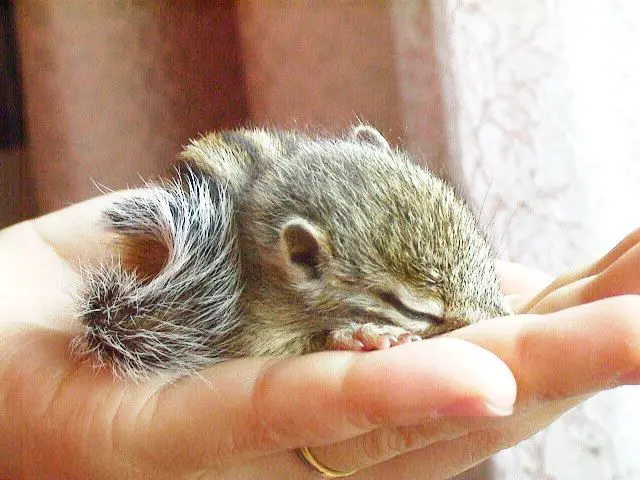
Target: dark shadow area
x,y
11,126
10,110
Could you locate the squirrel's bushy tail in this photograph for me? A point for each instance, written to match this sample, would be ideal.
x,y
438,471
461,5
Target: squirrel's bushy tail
x,y
177,320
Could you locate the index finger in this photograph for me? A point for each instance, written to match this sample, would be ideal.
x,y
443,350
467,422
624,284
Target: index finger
x,y
577,351
630,242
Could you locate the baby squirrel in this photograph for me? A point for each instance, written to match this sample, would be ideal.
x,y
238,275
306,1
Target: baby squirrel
x,y
279,243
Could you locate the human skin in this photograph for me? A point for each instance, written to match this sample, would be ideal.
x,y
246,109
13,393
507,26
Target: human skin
x,y
429,409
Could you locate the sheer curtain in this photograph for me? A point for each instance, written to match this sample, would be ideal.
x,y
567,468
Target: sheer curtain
x,y
541,102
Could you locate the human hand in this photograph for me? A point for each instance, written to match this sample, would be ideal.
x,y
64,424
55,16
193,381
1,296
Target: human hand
x,y
241,419
64,420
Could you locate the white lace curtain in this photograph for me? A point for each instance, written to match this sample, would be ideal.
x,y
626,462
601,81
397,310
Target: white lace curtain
x,y
541,106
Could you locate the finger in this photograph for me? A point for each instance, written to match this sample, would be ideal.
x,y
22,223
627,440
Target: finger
x,y
247,408
519,283
618,278
443,458
321,398
447,458
439,459
381,444
573,352
516,279
629,242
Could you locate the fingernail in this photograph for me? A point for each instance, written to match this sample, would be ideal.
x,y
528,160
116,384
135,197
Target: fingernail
x,y
631,378
498,411
475,407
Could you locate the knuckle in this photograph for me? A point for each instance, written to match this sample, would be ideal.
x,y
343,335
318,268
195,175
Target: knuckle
x,y
269,428
375,447
365,414
503,438
364,418
550,393
389,442
263,437
626,306
406,439
625,313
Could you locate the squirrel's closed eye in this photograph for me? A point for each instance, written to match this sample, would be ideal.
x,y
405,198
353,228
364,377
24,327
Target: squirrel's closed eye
x,y
427,311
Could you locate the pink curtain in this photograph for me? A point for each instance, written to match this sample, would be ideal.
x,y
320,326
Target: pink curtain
x,y
113,89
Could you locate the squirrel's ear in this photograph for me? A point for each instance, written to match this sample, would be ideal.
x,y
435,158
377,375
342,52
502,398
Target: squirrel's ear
x,y
368,134
305,248
229,156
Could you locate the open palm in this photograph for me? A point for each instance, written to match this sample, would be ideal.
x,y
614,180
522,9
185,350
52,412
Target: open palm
x,y
425,410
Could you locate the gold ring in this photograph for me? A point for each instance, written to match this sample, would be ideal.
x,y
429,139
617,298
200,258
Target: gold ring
x,y
308,458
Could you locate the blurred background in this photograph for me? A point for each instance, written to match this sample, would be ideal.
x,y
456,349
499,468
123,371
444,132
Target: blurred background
x,y
529,107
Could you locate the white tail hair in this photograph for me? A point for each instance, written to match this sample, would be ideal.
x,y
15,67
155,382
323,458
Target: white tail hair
x,y
176,321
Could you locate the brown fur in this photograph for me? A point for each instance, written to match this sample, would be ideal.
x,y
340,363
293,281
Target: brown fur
x,y
327,240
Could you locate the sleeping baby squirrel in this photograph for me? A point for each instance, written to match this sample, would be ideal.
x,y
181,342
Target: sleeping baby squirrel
x,y
279,243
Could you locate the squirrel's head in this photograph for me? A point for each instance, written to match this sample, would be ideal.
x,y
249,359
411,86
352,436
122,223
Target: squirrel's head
x,y
360,233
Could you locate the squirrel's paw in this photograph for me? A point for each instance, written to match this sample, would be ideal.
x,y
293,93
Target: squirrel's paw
x,y
369,336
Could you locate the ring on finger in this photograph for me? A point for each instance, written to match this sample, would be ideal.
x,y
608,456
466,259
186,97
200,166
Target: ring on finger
x,y
311,461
